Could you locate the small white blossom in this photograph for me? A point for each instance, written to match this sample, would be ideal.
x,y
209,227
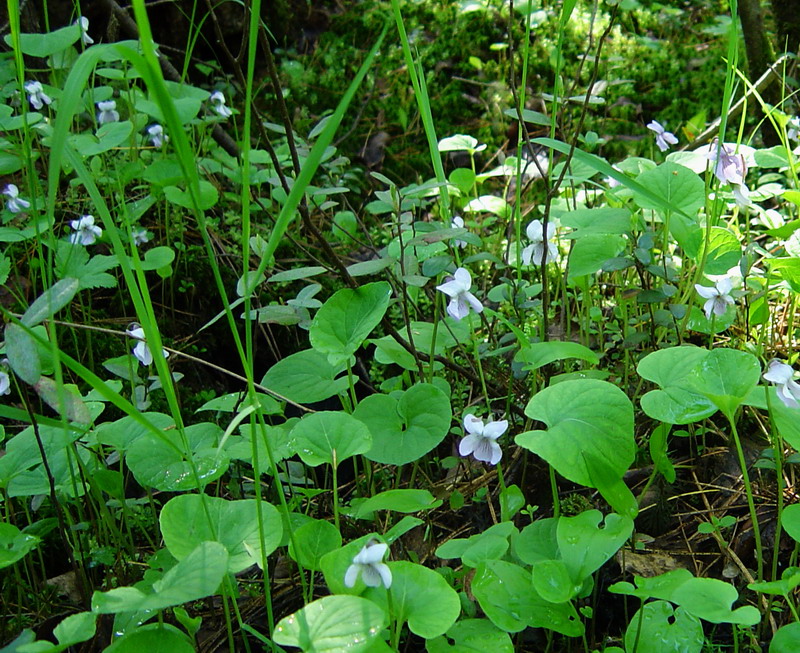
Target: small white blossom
x,y
5,383
86,231
108,112
83,23
729,165
782,375
15,203
457,223
718,297
534,252
482,439
141,350
140,237
461,299
369,563
157,135
793,133
741,195
663,138
218,100
36,95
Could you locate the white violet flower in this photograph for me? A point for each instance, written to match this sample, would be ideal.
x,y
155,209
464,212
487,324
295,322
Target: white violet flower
x,y
141,350
15,203
157,135
729,166
86,231
782,375
83,23
108,112
5,383
140,237
369,563
793,133
718,297
461,299
663,138
482,439
534,252
36,95
218,100
458,223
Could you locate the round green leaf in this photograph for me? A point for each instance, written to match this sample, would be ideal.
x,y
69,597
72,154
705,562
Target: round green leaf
x,y
153,638
671,184
725,377
329,437
585,545
724,251
332,624
552,581
592,250
402,500
347,318
404,430
786,640
539,354
659,629
160,463
158,257
195,577
578,430
314,539
208,196
537,541
43,45
306,377
463,179
677,402
507,596
14,544
234,524
478,635
711,599
790,520
459,143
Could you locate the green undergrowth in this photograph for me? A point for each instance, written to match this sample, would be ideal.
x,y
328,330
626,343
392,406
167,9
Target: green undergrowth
x,y
516,389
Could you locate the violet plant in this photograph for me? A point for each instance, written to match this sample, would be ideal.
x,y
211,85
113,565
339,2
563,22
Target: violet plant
x,y
238,489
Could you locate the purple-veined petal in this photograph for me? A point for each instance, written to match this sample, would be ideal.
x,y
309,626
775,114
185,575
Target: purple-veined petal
x,y
706,292
474,302
351,576
778,372
371,553
655,126
463,277
458,308
370,576
473,424
386,574
527,255
724,285
534,231
469,443
494,430
708,307
786,396
450,288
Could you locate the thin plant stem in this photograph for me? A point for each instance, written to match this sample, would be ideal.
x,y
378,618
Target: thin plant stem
x,y
750,501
